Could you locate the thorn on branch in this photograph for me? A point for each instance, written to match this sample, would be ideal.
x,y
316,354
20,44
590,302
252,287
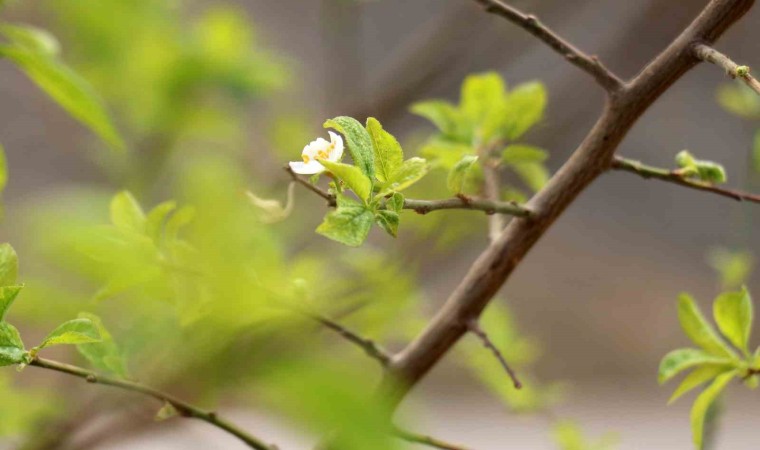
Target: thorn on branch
x,y
474,327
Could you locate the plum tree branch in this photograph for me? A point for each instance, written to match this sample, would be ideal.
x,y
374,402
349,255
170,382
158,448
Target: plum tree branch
x,y
531,24
183,408
425,440
475,329
426,206
593,157
733,70
368,345
635,167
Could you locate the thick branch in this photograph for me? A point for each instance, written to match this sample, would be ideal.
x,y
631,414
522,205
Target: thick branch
x,y
592,158
475,329
531,24
426,206
733,70
183,409
369,346
425,440
645,171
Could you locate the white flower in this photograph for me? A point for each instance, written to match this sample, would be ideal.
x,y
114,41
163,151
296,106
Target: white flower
x,y
319,149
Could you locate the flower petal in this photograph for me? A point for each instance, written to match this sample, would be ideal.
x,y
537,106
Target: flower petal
x,y
309,168
336,153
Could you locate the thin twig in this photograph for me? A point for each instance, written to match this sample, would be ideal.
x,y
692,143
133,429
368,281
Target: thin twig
x,y
531,24
183,408
426,206
475,329
368,345
628,165
733,70
425,440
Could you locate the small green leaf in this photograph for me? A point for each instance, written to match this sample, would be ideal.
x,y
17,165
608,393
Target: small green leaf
x,y
183,217
698,330
359,142
445,116
524,108
388,153
388,221
733,314
702,404
458,174
410,172
482,96
105,354
696,378
7,295
126,213
711,172
166,412
740,100
31,38
352,176
533,174
156,219
74,332
11,346
349,224
685,159
395,202
520,153
3,170
685,358
73,93
8,265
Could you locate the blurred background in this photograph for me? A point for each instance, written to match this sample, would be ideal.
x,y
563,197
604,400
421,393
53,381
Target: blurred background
x,y
597,294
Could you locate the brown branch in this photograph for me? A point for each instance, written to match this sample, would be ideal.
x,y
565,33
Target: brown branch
x,y
474,327
733,70
369,346
183,408
531,24
645,171
426,206
425,440
592,158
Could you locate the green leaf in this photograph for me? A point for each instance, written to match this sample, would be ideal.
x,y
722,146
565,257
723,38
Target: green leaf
x,y
458,174
698,330
388,153
74,332
445,116
73,93
740,100
359,142
410,172
126,213
711,172
7,295
395,202
696,378
524,108
104,355
8,265
533,174
388,221
156,219
685,358
177,221
352,176
31,38
166,412
349,224
520,153
702,404
3,170
482,95
11,346
733,314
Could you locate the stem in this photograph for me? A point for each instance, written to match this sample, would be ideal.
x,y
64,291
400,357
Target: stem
x,y
733,70
425,440
642,170
183,409
475,329
369,346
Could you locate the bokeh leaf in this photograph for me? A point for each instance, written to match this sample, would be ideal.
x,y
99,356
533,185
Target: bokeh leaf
x,y
696,378
734,314
104,355
458,174
702,404
685,358
8,265
698,330
126,213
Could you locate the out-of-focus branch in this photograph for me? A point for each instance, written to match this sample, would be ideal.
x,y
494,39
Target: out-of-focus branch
x,y
531,24
628,165
426,206
733,70
475,329
425,440
183,408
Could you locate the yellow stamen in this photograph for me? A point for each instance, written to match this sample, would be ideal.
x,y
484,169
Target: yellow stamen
x,y
305,158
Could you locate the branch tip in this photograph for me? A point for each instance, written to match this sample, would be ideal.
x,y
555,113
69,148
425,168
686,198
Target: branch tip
x,y
474,327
